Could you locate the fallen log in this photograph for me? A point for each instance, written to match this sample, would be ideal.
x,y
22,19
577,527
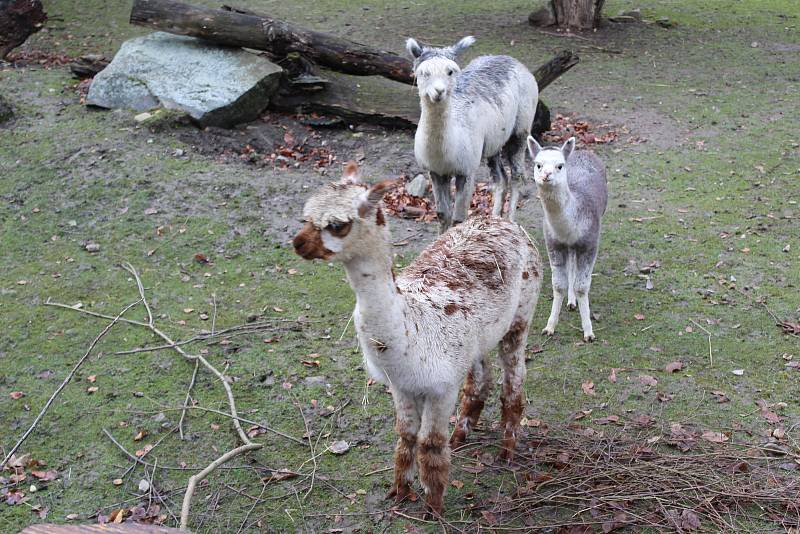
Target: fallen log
x,y
19,19
279,38
236,27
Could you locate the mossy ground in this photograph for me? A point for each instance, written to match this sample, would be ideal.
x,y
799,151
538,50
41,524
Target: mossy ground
x,y
712,196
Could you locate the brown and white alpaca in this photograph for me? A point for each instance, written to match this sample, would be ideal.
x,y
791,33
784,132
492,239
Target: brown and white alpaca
x,y
429,330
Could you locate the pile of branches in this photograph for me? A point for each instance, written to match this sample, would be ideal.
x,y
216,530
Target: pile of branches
x,y
574,481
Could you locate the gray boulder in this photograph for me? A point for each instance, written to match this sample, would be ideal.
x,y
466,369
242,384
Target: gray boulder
x,y
418,186
215,85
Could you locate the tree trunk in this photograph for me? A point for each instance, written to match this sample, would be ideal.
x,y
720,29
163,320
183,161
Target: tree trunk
x,y
578,14
19,19
235,27
279,38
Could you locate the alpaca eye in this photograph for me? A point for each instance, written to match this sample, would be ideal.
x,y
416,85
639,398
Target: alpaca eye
x,y
538,166
450,72
339,229
559,166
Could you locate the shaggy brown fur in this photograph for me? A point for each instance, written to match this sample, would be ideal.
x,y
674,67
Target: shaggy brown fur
x,y
433,459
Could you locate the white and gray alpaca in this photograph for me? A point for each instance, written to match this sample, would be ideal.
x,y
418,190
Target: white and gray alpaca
x,y
429,330
573,191
484,111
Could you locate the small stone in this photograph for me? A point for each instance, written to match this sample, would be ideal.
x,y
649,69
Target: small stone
x,y
144,486
314,381
339,447
418,186
754,44
92,247
178,152
664,22
141,117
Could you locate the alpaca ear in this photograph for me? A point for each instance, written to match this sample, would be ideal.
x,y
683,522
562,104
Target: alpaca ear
x,y
463,44
568,147
352,174
373,196
413,48
533,147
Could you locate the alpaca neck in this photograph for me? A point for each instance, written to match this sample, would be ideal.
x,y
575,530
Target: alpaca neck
x,y
435,118
378,302
558,203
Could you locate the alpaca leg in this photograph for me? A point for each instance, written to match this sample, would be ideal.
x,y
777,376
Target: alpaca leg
x,y
512,398
433,449
560,279
499,183
444,202
515,149
473,396
572,303
465,186
407,426
584,263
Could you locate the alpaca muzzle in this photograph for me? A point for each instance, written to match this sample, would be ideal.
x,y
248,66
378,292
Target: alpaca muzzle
x,y
308,244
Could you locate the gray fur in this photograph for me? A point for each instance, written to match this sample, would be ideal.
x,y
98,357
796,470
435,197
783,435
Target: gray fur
x,y
483,111
574,199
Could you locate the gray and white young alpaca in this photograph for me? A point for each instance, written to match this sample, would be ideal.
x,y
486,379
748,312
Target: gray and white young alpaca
x,y
429,330
484,111
573,191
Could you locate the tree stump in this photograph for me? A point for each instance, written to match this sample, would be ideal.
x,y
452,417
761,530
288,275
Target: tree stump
x,y
575,14
19,19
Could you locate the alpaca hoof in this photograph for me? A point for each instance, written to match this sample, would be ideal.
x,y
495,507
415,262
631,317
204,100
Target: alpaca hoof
x,y
571,306
402,493
589,338
547,331
506,455
433,510
457,439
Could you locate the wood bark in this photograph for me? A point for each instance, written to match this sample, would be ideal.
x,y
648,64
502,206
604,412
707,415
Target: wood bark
x,y
19,19
279,38
578,14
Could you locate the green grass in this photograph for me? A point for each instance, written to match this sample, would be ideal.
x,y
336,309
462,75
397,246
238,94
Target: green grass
x,y
715,202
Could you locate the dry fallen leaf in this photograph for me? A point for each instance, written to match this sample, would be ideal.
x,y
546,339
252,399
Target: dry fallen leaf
x,y
45,476
16,395
639,317
117,481
720,396
588,388
648,380
714,437
673,367
457,484
91,389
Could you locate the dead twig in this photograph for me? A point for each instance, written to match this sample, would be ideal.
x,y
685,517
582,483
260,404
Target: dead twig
x,y
188,398
66,381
